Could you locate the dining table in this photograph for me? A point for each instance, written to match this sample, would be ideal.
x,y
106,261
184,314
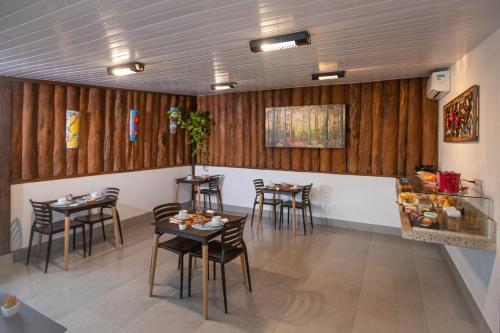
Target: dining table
x,y
274,189
28,320
83,203
196,182
202,236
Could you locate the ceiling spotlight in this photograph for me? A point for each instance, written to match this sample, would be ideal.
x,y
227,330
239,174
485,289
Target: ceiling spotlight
x,y
328,76
122,70
281,42
223,86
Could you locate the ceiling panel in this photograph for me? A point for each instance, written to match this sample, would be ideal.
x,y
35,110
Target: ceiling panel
x,y
188,45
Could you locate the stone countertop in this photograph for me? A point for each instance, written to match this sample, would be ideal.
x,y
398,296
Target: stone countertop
x,y
448,237
478,231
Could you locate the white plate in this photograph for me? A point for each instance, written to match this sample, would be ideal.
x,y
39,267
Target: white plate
x,y
55,204
211,224
202,227
188,216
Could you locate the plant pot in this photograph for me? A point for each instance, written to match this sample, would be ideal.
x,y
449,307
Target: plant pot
x,y
12,311
173,126
182,226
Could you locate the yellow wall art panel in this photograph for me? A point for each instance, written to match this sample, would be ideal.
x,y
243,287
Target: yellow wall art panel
x,y
72,129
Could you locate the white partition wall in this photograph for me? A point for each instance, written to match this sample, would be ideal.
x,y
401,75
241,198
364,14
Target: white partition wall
x,y
364,199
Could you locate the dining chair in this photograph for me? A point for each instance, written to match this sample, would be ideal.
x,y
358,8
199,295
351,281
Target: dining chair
x,y
214,188
44,225
259,192
177,245
230,247
303,204
100,217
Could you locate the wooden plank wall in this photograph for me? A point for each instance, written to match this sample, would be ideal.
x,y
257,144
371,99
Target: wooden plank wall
x,y
5,122
38,146
391,127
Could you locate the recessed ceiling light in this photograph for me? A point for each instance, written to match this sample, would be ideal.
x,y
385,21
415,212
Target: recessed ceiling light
x,y
122,70
328,76
223,86
281,42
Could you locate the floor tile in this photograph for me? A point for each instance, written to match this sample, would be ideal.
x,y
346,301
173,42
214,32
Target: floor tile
x,y
85,321
332,280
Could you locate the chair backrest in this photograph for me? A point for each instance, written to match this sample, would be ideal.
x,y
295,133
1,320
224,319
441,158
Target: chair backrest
x,y
232,234
259,186
110,192
306,192
215,182
43,212
164,211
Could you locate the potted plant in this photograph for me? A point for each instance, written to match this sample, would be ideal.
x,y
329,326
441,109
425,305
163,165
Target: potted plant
x,y
198,125
10,306
174,115
182,225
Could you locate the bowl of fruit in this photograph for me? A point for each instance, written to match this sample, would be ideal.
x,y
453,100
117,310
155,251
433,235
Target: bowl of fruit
x,y
10,306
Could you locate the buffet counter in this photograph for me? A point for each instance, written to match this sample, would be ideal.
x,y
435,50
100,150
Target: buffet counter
x,y
456,219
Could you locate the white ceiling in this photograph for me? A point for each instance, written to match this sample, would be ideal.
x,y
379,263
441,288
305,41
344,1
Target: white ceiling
x,y
187,44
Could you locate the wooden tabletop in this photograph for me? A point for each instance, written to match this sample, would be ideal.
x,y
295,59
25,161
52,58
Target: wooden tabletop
x,y
99,203
283,189
28,320
193,181
203,236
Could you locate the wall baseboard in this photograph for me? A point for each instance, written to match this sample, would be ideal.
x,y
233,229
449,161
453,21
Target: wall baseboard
x,y
483,324
6,259
380,229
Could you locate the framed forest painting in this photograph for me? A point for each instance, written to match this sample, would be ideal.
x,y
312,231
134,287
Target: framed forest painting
x,y
461,117
311,126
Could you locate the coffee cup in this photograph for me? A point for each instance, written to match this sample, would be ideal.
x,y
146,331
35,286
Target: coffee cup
x,y
216,220
183,214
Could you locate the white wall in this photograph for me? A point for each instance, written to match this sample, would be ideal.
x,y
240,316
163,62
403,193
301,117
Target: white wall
x,y
479,160
350,198
140,191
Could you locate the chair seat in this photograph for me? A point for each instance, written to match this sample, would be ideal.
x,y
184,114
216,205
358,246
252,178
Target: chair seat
x,y
207,191
215,252
272,202
298,204
57,226
179,245
93,218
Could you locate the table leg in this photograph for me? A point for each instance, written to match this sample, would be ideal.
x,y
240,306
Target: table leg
x,y
67,224
177,193
294,217
118,239
152,268
274,210
205,280
261,207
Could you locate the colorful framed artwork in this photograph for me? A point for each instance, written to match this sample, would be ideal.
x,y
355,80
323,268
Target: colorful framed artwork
x,y
311,126
72,129
461,117
134,125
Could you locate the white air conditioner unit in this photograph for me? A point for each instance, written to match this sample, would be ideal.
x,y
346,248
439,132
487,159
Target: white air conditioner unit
x,y
438,85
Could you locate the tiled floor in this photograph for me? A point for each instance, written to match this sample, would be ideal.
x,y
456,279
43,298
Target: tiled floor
x,y
335,280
